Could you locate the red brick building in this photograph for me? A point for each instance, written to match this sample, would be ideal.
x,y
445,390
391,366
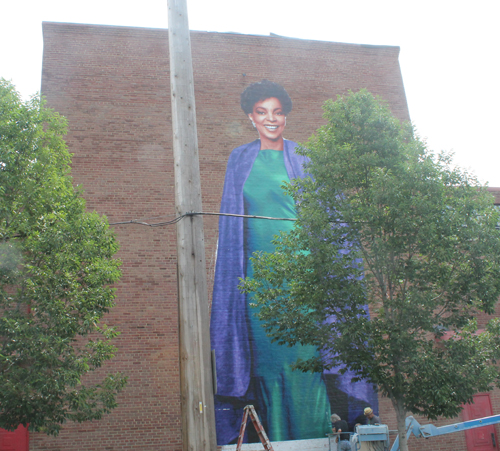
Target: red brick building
x,y
112,84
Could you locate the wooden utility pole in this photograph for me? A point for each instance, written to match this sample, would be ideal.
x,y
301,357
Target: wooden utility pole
x,y
198,420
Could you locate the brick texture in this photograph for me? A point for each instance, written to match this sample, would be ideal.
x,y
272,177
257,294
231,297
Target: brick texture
x,y
112,84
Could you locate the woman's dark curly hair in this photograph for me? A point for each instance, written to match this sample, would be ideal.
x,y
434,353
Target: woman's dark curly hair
x,y
263,90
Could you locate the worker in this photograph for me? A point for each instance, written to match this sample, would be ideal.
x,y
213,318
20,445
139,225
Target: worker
x,y
340,428
371,418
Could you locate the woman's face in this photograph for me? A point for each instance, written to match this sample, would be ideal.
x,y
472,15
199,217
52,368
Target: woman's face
x,y
269,119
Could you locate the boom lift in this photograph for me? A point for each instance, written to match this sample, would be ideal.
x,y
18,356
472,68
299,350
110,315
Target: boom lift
x,y
429,430
370,434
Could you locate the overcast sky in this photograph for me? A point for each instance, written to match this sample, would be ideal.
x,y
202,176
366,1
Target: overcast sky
x,y
449,51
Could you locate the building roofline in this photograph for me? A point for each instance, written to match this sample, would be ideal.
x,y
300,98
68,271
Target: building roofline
x,y
235,33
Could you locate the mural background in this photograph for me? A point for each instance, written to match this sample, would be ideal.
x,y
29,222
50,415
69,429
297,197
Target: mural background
x,y
112,83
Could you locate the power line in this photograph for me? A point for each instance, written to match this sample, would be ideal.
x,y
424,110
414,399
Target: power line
x,y
193,213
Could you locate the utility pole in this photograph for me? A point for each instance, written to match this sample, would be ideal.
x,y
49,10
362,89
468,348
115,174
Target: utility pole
x,y
197,404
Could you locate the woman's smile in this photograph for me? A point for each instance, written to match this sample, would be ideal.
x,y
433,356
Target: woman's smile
x,y
269,120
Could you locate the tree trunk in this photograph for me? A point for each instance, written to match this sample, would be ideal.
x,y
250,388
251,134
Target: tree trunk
x,y
401,417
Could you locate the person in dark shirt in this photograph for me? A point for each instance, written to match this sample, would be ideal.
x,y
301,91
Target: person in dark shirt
x,y
340,427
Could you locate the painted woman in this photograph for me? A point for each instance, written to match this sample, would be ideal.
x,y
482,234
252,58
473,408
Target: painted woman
x,y
250,368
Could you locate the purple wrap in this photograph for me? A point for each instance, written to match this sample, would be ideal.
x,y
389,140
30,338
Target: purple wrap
x,y
229,329
228,323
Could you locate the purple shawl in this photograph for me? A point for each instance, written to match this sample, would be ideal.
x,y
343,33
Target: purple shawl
x,y
229,329
228,323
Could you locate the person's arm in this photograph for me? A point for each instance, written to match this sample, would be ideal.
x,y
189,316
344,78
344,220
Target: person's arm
x,y
337,436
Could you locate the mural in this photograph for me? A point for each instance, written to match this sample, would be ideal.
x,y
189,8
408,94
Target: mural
x,y
250,369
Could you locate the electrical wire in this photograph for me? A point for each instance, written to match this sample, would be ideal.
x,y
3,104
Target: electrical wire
x,y
192,213
241,216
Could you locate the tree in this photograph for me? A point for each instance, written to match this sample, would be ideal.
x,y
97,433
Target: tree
x,y
386,225
56,267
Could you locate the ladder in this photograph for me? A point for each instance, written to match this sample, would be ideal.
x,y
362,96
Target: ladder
x,y
250,410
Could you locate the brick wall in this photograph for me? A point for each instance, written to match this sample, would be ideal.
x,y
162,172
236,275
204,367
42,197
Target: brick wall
x,y
112,84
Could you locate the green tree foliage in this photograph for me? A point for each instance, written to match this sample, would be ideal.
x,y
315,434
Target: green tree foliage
x,y
385,223
56,267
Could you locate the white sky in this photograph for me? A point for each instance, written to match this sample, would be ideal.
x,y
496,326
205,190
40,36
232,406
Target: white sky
x,y
449,51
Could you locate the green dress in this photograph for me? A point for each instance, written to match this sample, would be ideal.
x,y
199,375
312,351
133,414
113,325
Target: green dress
x,y
292,405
